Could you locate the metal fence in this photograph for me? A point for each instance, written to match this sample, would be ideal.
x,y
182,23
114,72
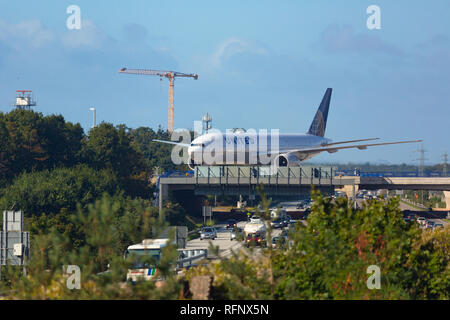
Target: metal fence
x,y
294,173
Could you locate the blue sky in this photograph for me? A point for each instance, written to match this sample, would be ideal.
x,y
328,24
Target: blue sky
x,y
261,64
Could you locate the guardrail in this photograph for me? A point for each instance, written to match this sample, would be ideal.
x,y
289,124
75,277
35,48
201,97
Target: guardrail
x,y
188,256
399,174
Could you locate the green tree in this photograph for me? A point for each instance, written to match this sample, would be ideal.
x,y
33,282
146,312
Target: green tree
x,y
110,147
329,258
51,191
157,154
104,228
33,141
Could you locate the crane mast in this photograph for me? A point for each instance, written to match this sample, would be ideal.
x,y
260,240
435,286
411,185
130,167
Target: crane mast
x,y
170,75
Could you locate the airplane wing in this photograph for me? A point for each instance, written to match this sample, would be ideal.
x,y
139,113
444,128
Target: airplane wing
x,y
335,149
348,141
184,145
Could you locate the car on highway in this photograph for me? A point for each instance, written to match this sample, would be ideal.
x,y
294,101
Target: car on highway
x,y
277,223
429,224
235,233
421,221
438,226
231,223
208,233
306,214
278,242
287,220
254,239
303,204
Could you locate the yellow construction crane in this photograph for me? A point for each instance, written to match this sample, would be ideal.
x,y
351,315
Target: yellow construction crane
x,y
171,75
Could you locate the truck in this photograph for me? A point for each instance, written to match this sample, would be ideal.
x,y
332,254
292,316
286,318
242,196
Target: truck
x,y
153,248
276,213
255,225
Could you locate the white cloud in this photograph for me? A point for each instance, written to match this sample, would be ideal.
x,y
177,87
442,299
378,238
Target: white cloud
x,y
336,38
235,46
26,34
90,36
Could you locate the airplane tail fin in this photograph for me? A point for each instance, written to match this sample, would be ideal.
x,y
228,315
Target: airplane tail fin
x,y
319,123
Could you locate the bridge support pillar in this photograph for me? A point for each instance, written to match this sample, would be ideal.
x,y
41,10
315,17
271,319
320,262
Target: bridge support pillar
x,y
447,199
350,190
163,192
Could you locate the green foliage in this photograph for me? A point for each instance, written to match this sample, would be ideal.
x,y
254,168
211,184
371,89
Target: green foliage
x,y
107,225
110,147
158,155
331,255
329,258
175,215
429,265
30,141
50,192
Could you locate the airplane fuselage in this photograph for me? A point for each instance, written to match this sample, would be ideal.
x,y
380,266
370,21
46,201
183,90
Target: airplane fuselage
x,y
244,148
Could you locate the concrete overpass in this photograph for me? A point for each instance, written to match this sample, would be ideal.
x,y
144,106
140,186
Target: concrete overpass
x,y
397,183
244,180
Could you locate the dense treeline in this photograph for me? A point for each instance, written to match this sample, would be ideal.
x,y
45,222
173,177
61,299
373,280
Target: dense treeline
x,y
32,142
327,259
48,165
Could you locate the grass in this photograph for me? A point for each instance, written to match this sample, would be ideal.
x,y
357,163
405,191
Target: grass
x,y
412,205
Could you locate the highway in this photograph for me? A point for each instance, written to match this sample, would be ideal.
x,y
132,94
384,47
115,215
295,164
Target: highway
x,y
435,216
222,241
226,246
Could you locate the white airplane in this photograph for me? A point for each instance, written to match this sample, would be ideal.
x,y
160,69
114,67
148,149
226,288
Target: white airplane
x,y
240,147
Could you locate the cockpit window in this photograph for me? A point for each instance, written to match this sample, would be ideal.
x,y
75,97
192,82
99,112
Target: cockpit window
x,y
203,145
197,145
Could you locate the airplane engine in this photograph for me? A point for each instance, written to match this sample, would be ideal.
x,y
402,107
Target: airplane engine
x,y
287,160
191,164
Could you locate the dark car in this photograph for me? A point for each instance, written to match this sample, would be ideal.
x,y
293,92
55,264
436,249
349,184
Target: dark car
x,y
410,217
287,220
231,224
254,239
438,225
306,214
429,224
278,242
278,223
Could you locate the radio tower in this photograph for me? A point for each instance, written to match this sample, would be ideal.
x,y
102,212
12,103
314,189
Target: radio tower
x,y
444,168
206,119
421,160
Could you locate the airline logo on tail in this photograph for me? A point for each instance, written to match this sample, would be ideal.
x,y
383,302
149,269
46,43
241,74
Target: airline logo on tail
x,y
320,120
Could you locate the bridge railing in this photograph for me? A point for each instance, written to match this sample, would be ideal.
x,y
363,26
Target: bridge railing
x,y
265,174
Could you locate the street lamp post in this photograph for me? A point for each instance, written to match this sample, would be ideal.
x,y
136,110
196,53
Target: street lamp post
x,y
93,117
